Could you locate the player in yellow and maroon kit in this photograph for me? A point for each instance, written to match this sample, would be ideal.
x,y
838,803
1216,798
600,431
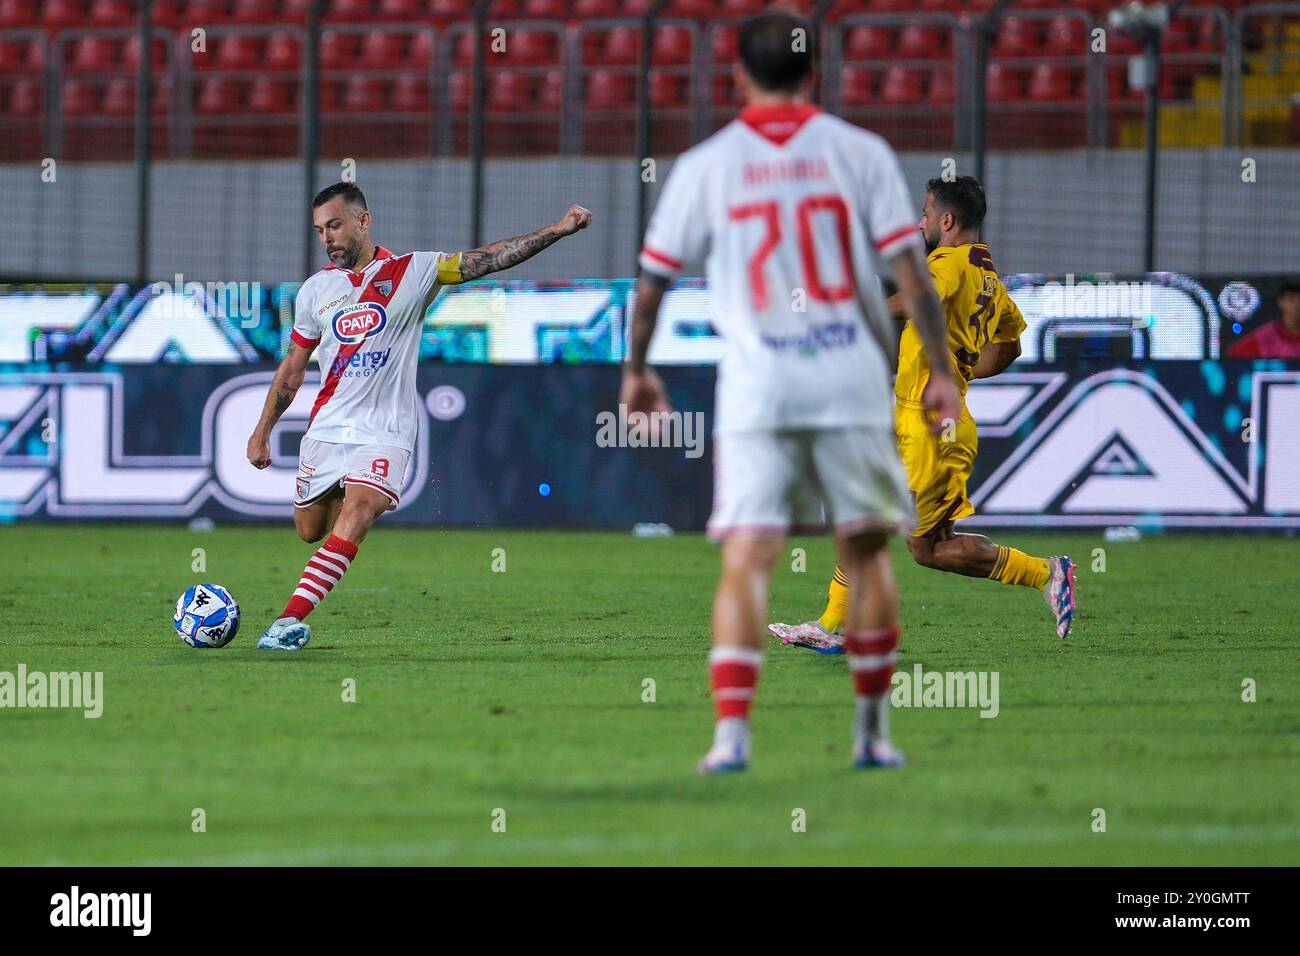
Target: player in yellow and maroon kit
x,y
984,327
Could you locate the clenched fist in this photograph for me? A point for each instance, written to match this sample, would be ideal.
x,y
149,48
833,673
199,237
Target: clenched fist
x,y
576,218
259,451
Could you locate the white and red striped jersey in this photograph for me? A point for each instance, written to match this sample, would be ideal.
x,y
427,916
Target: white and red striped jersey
x,y
792,211
366,329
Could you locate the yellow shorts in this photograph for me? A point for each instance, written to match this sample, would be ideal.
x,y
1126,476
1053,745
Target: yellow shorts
x,y
937,470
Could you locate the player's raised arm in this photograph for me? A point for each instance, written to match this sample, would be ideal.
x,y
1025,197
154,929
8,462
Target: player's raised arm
x,y
285,385
474,264
924,311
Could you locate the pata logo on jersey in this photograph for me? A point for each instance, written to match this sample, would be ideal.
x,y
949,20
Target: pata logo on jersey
x,y
353,323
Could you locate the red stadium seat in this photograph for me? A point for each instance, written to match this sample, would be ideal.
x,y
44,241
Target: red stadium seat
x,y
168,13
338,48
364,94
1017,36
203,12
1180,37
329,92
545,9
119,98
724,44
401,9
531,47
724,90
18,14
34,57
255,11
93,54
383,49
422,49
919,42
1005,83
741,8
239,51
131,53
12,54
218,94
1207,34
271,94
510,91
460,91
943,88
551,96
161,103
608,91
350,10
902,86
60,14
869,44
79,99
667,90
857,86
672,46
25,99
454,9
1067,36
1050,83
110,13
464,52
690,9
592,9
410,93
283,51
892,6
622,47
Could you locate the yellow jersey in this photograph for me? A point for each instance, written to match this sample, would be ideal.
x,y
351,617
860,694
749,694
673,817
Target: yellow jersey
x,y
978,311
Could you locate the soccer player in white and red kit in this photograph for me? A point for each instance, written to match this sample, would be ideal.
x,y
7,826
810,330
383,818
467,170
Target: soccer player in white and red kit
x,y
362,315
791,209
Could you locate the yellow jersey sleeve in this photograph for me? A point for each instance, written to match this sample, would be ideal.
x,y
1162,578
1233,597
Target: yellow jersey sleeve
x,y
1011,323
449,268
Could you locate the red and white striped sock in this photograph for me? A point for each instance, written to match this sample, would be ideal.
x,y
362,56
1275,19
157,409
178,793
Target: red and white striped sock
x,y
325,569
733,675
871,660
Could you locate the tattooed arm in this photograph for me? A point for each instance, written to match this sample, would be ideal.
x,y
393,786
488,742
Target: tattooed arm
x,y
285,385
476,263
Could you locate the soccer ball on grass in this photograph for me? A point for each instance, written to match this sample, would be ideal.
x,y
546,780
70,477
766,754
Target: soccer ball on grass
x,y
206,616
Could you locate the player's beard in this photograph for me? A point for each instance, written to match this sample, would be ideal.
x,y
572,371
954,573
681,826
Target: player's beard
x,y
930,244
351,253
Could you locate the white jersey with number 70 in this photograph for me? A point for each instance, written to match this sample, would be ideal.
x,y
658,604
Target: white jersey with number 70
x,y
792,211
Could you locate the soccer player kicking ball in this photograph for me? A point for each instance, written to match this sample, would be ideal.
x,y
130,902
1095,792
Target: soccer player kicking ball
x,y
792,206
984,327
363,314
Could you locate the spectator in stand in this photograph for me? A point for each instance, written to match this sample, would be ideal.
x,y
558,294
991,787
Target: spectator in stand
x,y
1279,338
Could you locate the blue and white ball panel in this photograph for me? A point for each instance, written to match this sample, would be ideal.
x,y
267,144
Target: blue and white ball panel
x,y
206,616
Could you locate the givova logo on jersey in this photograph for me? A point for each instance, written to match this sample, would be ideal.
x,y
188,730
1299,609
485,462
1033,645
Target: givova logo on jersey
x,y
351,324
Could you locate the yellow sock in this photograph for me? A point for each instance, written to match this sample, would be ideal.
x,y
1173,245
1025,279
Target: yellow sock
x,y
837,601
1016,567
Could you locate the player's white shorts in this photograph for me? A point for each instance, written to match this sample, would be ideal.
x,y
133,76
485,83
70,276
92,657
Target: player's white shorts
x,y
768,484
323,466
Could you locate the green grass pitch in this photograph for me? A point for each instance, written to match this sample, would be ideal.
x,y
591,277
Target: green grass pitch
x,y
522,692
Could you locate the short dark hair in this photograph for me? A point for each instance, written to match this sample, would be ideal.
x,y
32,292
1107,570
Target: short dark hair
x,y
1290,284
768,50
963,197
352,195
